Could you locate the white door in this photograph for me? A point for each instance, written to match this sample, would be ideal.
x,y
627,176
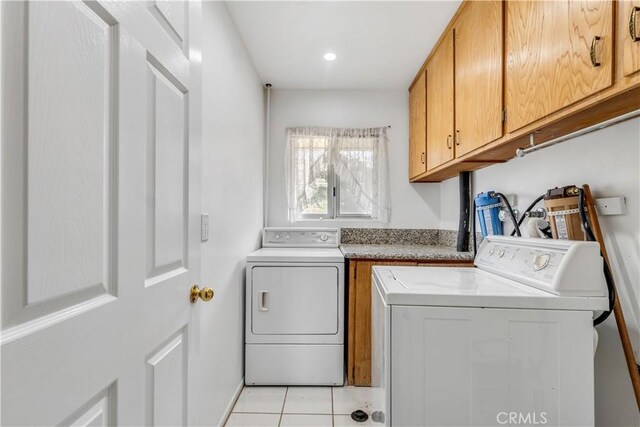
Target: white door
x,y
100,211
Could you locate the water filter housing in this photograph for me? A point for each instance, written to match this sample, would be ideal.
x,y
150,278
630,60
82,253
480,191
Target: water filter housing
x,y
487,210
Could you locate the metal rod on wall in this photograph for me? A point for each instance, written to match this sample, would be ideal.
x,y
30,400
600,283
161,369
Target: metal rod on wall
x,y
521,152
265,162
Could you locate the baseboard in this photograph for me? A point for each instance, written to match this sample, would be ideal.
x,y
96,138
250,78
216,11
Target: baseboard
x,y
234,399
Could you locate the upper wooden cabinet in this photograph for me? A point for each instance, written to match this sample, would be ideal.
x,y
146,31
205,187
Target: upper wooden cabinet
x,y
524,71
440,104
557,53
464,85
478,75
629,35
418,126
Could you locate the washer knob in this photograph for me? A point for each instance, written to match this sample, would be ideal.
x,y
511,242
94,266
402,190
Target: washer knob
x,y
541,261
324,237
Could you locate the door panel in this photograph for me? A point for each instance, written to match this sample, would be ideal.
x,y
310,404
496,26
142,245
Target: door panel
x,y
418,126
478,75
166,383
167,134
95,93
548,54
173,17
294,300
59,222
440,105
99,411
69,199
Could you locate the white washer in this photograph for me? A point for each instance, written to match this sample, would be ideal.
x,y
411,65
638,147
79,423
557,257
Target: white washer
x,y
294,331
508,342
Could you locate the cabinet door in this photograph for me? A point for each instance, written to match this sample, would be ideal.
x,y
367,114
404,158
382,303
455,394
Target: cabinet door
x,y
440,105
629,33
557,53
418,126
478,75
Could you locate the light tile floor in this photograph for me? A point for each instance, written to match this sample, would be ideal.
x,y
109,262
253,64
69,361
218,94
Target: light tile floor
x,y
300,406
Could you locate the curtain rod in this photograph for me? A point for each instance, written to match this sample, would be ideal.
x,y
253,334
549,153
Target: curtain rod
x,y
521,152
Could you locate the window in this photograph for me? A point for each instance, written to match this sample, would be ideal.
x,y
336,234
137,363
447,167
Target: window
x,y
337,173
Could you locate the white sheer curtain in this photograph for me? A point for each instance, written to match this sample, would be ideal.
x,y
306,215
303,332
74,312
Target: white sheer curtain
x,y
357,157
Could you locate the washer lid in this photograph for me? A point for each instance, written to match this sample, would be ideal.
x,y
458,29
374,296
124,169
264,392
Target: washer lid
x,y
296,255
469,287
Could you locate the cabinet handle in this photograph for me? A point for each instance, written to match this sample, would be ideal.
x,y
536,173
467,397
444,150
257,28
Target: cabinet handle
x,y
632,23
457,137
422,158
594,45
449,146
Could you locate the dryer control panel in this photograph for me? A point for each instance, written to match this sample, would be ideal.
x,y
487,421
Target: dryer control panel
x,y
300,237
562,267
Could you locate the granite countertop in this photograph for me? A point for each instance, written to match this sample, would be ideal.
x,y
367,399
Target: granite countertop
x,y
409,252
408,244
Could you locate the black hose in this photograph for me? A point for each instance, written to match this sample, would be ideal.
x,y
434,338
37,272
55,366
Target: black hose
x,y
608,276
524,214
473,227
463,223
516,226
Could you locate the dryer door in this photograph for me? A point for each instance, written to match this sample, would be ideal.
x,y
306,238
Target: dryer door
x,y
294,300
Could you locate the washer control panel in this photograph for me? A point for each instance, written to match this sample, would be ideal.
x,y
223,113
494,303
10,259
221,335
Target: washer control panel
x,y
300,237
563,267
542,263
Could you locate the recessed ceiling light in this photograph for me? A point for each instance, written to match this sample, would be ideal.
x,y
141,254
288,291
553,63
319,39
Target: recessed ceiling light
x,y
330,56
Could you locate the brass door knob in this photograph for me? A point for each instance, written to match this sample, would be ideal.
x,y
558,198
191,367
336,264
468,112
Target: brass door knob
x,y
205,294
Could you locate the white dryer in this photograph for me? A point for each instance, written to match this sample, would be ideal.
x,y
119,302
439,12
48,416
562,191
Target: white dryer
x,y
294,329
509,342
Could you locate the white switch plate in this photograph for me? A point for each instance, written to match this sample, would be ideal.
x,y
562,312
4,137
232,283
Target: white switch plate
x,y
611,206
204,227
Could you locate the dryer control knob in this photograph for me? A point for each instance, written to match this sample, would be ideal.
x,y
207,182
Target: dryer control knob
x,y
324,237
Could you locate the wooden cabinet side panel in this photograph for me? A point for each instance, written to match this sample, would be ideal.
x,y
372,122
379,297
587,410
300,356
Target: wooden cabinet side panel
x,y
440,105
359,361
362,362
548,62
630,48
418,126
478,75
350,321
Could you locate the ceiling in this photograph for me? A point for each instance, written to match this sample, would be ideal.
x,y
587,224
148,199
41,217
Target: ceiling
x,y
379,44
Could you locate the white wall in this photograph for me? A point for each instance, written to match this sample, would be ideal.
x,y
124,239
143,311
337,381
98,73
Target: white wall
x,y
412,205
608,160
232,153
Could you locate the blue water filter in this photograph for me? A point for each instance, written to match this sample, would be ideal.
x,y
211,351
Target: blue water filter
x,y
487,209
